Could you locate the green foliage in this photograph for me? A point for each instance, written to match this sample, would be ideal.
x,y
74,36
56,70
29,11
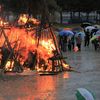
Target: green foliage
x,y
36,6
79,5
29,6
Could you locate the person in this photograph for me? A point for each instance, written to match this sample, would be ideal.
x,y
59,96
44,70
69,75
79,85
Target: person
x,y
96,43
73,41
60,42
69,44
64,43
87,38
79,41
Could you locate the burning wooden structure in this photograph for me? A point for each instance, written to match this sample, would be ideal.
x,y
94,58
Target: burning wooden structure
x,y
35,48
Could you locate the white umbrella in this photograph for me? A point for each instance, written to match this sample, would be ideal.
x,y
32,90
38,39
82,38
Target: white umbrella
x,y
97,26
84,94
90,28
85,24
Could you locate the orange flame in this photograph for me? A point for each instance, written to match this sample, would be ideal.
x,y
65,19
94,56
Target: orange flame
x,y
23,19
48,45
26,42
9,65
23,42
3,23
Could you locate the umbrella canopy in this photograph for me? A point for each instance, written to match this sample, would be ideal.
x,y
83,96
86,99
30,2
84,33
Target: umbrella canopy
x,y
69,33
94,37
62,32
66,33
90,28
80,33
83,25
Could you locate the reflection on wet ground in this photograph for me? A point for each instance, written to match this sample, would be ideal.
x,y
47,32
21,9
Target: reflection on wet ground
x,y
32,87
57,87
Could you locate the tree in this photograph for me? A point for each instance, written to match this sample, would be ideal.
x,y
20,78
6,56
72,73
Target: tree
x,y
28,6
79,6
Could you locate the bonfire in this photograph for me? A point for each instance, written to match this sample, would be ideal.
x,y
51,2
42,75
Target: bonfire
x,y
35,50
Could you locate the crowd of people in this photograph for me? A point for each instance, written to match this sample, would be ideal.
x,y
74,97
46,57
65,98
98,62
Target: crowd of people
x,y
70,43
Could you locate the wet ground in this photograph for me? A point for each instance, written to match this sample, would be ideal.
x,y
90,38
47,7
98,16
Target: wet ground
x,y
57,87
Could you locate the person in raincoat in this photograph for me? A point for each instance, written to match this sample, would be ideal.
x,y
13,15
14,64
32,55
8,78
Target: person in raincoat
x,y
96,42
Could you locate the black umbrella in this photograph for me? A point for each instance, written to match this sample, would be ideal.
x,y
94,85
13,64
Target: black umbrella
x,y
83,25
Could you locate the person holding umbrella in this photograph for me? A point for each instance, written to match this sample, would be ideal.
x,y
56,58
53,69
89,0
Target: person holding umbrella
x,y
95,40
70,39
87,38
64,35
62,40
